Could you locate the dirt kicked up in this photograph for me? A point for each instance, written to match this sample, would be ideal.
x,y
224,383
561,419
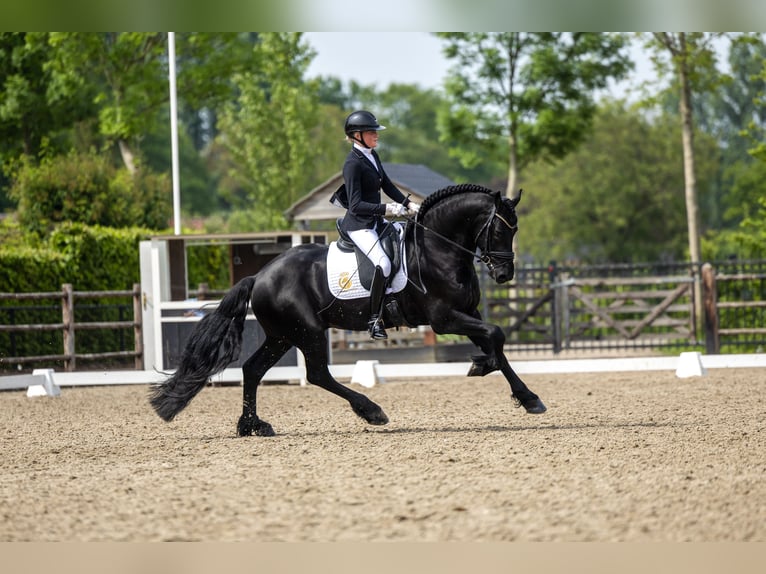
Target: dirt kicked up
x,y
618,457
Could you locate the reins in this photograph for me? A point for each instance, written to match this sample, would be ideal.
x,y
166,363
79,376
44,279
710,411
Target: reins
x,y
485,255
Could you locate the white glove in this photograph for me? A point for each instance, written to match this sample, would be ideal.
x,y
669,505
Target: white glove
x,y
396,209
413,207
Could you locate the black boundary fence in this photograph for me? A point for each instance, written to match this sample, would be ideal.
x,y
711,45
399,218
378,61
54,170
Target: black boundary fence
x,y
632,307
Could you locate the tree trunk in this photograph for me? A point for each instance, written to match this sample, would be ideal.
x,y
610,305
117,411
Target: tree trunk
x,y
127,156
690,180
511,190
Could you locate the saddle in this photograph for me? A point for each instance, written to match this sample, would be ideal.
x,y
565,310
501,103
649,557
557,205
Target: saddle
x,y
389,240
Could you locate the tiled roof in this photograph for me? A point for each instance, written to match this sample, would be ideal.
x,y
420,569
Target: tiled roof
x,y
419,178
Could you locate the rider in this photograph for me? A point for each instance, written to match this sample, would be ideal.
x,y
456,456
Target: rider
x,y
364,179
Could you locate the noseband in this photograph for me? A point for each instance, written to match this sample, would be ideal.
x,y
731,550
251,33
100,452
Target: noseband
x,y
491,258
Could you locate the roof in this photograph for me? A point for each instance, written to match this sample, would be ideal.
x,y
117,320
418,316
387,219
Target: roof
x,y
414,179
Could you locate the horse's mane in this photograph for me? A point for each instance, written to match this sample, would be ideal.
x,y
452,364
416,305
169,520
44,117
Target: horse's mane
x,y
445,192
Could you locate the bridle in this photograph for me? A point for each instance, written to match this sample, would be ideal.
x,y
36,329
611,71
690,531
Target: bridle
x,y
490,258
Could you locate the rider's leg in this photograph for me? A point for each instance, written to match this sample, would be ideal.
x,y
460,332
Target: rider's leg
x,y
367,241
377,291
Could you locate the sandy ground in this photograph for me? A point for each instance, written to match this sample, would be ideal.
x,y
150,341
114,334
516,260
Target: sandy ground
x,y
617,457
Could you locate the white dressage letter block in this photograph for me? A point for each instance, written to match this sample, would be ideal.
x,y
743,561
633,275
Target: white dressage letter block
x,y
46,387
366,373
690,365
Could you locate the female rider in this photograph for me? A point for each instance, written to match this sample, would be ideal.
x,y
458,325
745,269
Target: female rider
x,y
364,178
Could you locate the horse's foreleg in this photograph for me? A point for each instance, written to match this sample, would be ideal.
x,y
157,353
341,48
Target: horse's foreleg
x,y
490,339
253,371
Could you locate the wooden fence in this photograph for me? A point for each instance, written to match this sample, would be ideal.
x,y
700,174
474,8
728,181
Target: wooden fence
x,y
68,326
718,331
632,307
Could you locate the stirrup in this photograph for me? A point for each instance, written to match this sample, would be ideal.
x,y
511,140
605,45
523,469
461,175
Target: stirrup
x,y
375,326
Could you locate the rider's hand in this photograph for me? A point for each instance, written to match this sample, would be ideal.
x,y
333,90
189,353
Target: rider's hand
x,y
396,209
413,207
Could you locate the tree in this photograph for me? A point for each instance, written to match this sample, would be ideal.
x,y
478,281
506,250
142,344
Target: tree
x,y
692,61
526,95
267,129
34,109
749,239
621,182
126,75
87,188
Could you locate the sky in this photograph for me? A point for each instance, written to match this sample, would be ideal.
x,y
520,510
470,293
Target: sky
x,y
379,58
382,58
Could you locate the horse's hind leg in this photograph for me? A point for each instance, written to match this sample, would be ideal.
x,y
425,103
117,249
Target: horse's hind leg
x,y
253,370
318,373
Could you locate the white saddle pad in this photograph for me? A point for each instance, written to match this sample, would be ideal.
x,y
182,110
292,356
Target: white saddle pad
x,y
343,276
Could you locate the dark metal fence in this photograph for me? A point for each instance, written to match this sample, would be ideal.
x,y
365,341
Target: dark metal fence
x,y
629,307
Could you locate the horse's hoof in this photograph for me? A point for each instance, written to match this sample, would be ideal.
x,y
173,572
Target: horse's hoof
x,y
249,427
535,407
371,413
378,418
265,429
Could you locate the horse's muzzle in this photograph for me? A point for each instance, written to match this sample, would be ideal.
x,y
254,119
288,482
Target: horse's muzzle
x,y
502,274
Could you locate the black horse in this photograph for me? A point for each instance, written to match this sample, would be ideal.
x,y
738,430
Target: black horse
x,y
291,299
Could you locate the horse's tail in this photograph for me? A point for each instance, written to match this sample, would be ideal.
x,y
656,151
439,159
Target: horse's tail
x,y
213,344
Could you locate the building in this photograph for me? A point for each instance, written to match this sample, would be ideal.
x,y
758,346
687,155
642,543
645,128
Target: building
x,y
314,210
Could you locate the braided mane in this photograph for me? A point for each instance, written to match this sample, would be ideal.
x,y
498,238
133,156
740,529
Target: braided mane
x,y
445,192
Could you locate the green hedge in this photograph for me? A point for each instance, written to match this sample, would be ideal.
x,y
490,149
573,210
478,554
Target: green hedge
x,y
91,258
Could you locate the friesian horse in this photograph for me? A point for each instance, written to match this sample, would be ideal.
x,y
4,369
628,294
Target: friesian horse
x,y
291,299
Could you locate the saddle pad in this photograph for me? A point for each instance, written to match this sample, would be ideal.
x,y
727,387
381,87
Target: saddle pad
x,y
343,280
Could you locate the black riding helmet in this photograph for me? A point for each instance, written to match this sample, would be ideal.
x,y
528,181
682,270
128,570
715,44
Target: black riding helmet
x,y
361,121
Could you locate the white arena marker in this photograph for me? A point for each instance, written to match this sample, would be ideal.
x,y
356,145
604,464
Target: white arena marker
x,y
366,373
690,365
47,387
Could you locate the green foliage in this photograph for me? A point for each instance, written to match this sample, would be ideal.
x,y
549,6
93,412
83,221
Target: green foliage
x,y
208,264
266,130
86,188
88,257
99,257
31,269
527,95
748,241
35,103
616,198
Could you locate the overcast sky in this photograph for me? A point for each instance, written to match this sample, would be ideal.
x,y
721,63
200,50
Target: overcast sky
x,y
379,58
382,58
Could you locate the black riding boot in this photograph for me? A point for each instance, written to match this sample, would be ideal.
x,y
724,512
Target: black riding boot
x,y
377,291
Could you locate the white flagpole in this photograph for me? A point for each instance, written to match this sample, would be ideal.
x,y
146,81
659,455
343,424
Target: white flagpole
x,y
174,132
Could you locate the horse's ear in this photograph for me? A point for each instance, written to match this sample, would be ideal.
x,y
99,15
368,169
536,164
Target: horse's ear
x,y
515,201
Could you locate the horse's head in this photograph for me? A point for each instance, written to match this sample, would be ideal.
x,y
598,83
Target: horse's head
x,y
495,239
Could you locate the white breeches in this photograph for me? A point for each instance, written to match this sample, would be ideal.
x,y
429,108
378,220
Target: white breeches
x,y
367,241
